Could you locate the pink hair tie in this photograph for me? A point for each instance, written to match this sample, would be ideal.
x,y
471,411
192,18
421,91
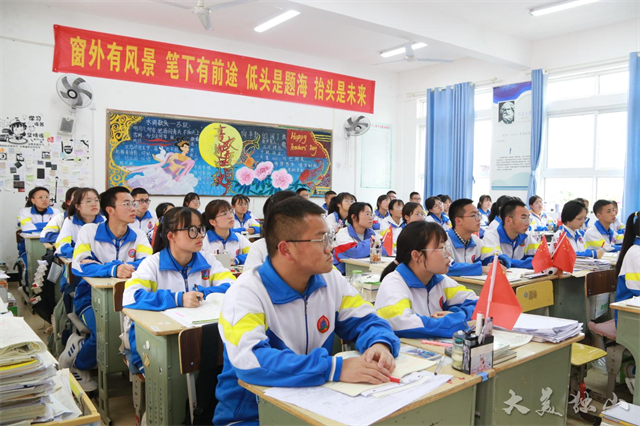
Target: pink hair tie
x,y
396,262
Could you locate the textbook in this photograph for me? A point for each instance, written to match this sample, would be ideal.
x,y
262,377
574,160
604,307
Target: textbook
x,y
206,313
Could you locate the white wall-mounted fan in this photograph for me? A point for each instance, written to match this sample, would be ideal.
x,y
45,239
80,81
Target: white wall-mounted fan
x,y
74,91
357,125
204,13
410,56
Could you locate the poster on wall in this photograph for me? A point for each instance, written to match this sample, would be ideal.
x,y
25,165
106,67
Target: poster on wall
x,y
375,171
511,140
173,155
30,156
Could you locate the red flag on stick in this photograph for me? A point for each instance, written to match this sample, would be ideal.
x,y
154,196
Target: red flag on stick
x,y
542,259
387,241
498,300
564,256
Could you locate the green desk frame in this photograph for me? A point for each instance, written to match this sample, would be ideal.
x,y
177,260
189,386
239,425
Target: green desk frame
x,y
629,337
35,250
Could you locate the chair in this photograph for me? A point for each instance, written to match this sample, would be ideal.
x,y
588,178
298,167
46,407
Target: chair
x,y
540,295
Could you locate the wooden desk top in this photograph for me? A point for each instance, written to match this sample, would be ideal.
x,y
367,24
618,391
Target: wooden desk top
x,y
49,246
103,282
33,236
154,322
459,382
525,281
622,306
67,261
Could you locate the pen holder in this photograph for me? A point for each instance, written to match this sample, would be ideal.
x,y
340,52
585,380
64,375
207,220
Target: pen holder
x,y
225,259
476,357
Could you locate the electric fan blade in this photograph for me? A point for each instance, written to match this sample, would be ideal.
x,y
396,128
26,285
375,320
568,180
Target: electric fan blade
x,y
389,62
408,49
205,20
170,3
228,4
431,60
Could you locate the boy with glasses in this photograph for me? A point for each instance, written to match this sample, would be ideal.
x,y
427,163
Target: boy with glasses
x,y
145,219
278,320
510,239
107,249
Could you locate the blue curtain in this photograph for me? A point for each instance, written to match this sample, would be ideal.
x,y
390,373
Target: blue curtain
x,y
631,195
449,145
538,124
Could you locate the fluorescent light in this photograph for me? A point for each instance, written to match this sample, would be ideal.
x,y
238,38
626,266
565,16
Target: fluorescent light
x,y
276,21
399,50
557,7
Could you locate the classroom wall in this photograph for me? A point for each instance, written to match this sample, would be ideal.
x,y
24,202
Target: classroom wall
x,y
28,86
603,43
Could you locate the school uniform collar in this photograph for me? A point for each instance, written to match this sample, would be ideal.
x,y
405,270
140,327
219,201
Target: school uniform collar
x,y
324,206
211,234
169,263
542,215
413,281
601,229
393,224
504,238
576,235
247,216
455,240
146,216
488,212
368,233
49,210
279,291
377,213
77,220
637,241
444,220
104,234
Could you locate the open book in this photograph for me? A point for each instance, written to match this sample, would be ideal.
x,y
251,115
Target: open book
x,y
207,312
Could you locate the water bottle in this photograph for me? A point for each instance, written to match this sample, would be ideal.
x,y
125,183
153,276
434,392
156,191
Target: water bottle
x,y
356,281
375,255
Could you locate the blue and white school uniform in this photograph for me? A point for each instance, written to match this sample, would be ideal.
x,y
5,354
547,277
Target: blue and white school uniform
x,y
443,221
275,336
484,217
66,241
467,259
236,245
325,207
618,228
51,231
335,222
349,245
408,304
97,242
146,224
248,221
494,224
576,239
257,255
32,221
540,223
391,226
160,282
597,237
517,253
629,277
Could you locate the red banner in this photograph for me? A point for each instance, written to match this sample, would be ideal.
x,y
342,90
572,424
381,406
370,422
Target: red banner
x,y
95,54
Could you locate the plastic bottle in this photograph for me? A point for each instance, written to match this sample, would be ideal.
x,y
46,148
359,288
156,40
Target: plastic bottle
x,y
356,281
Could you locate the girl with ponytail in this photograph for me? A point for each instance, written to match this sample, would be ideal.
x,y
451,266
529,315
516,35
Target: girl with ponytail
x,y
628,266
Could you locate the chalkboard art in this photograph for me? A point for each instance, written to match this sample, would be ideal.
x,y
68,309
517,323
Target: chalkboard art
x,y
170,155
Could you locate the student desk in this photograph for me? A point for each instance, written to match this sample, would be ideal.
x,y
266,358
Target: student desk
x,y
107,338
166,387
35,250
49,246
365,266
450,404
538,366
476,284
628,335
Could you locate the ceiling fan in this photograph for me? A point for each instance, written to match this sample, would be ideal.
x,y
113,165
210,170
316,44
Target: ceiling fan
x,y
204,13
410,56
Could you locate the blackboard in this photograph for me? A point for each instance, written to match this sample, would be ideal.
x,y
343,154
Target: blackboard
x,y
174,155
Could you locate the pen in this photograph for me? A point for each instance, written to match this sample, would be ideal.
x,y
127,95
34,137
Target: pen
x,y
394,379
439,366
434,343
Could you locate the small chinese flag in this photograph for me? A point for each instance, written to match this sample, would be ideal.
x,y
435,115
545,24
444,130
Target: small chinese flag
x,y
564,256
542,259
505,308
387,241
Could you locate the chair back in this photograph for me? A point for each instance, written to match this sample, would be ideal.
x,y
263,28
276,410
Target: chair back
x,y
535,295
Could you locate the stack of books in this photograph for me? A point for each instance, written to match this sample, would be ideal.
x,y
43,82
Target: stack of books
x,y
622,413
589,264
502,352
547,329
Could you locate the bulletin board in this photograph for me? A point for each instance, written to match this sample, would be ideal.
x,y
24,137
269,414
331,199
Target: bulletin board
x,y
174,155
31,156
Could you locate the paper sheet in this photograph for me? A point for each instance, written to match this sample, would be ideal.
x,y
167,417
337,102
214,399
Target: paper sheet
x,y
17,338
514,340
634,301
207,312
359,410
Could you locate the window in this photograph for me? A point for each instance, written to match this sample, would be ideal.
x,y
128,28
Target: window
x,y
608,80
481,157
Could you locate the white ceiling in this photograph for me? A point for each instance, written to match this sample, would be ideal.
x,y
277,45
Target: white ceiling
x,y
357,30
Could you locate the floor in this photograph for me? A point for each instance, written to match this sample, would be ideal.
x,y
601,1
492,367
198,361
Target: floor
x,y
122,412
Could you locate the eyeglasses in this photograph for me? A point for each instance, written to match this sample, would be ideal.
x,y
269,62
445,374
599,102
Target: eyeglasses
x,y
368,214
92,202
326,240
41,197
144,201
194,201
128,205
420,214
476,216
194,231
242,204
445,251
525,219
229,213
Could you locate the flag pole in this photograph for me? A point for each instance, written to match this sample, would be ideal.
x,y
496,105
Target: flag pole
x,y
493,281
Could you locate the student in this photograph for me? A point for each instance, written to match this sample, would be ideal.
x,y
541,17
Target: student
x,y
191,200
587,221
412,212
484,207
179,275
244,221
415,296
394,222
540,222
415,197
339,210
220,237
107,249
463,243
328,196
382,208
145,220
601,234
510,240
258,252
303,192
494,216
573,216
354,241
392,195
628,265
50,232
435,209
85,208
278,321
618,227
36,214
446,202
161,210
